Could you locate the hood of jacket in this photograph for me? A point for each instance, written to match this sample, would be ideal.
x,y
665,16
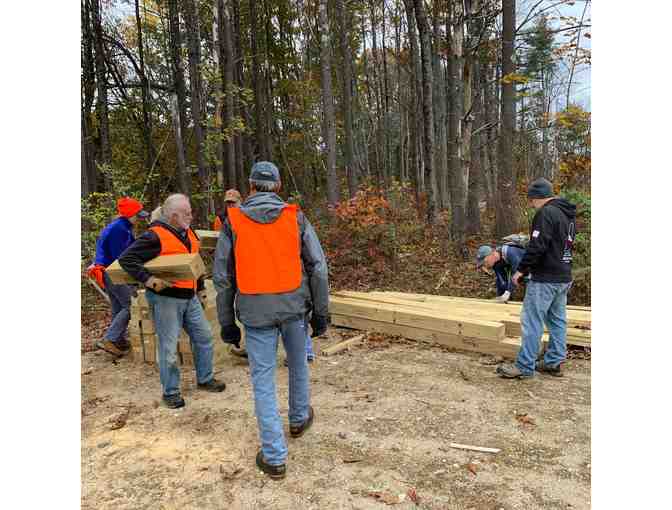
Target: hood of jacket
x,y
567,208
263,207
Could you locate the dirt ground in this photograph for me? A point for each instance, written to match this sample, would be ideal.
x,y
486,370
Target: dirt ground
x,y
385,415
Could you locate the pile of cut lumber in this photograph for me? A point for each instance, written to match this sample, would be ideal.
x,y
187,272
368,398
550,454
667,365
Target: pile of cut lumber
x,y
142,333
477,325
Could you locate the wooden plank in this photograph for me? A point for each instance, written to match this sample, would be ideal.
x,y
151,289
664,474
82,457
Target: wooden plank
x,y
491,312
150,346
147,326
187,359
183,266
499,348
431,297
341,346
435,320
575,336
208,238
474,448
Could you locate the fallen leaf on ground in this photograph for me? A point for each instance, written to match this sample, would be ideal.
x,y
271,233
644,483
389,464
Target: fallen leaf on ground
x,y
413,495
121,419
88,371
229,472
387,497
472,468
525,419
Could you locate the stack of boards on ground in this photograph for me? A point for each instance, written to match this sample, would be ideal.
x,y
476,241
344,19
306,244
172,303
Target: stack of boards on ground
x,y
142,332
476,325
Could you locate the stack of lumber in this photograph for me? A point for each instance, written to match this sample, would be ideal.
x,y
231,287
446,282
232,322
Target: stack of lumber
x,y
142,332
208,238
188,266
477,325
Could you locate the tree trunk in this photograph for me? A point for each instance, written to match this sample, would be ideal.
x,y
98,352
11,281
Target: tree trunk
x,y
346,102
428,109
228,84
260,133
505,217
146,118
193,31
329,124
105,155
440,119
179,98
240,110
218,57
415,123
89,171
475,172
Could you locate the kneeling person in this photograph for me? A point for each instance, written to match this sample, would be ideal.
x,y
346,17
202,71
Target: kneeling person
x,y
174,305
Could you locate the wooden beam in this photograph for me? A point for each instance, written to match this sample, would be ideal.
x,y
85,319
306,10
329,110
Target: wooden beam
x,y
341,346
188,266
208,238
435,320
503,348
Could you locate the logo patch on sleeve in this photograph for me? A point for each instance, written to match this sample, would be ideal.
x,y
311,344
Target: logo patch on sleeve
x,y
535,233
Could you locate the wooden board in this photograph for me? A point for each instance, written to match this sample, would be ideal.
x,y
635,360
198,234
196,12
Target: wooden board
x,y
476,310
431,297
341,346
503,348
575,336
208,238
418,317
184,266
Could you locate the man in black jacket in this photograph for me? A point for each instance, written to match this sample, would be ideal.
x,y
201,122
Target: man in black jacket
x,y
174,305
548,261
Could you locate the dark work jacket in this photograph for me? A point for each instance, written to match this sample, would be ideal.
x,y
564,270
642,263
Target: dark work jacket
x,y
548,257
145,248
506,267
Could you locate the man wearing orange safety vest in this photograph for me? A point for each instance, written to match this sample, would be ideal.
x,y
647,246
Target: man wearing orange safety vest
x,y
232,198
269,260
174,305
112,241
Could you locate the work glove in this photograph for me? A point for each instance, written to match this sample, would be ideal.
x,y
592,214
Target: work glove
x,y
319,324
231,335
504,297
157,284
203,298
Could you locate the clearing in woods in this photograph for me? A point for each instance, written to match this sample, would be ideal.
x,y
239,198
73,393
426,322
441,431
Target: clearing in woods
x,y
386,413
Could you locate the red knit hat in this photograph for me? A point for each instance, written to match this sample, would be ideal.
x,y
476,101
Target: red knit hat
x,y
128,207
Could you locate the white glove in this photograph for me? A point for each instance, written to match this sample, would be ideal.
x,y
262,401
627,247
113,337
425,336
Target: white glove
x,y
504,297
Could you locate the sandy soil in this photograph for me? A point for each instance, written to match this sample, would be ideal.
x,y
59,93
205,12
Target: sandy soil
x,y
386,413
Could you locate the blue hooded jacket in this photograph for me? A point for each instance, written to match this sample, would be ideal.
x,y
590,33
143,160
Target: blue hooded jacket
x,y
113,240
506,267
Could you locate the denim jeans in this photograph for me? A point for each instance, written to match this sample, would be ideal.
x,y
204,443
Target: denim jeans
x,y
171,315
545,303
120,299
261,346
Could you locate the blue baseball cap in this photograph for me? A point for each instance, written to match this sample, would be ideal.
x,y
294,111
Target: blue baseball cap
x,y
265,171
482,252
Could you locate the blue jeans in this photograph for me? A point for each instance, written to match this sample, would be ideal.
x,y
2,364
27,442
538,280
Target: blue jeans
x,y
545,303
261,346
120,299
171,315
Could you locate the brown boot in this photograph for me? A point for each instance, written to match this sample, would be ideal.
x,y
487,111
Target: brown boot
x,y
109,346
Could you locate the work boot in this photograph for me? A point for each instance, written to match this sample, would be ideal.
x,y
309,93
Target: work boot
x,y
173,401
275,472
546,369
298,430
111,347
511,371
123,345
213,386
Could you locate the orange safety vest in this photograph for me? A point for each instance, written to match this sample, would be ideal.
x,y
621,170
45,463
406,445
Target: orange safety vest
x,y
268,255
173,245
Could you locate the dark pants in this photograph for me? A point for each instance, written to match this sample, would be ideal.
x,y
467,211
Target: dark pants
x,y
120,298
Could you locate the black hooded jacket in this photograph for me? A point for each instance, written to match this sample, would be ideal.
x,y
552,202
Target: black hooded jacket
x,y
548,257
